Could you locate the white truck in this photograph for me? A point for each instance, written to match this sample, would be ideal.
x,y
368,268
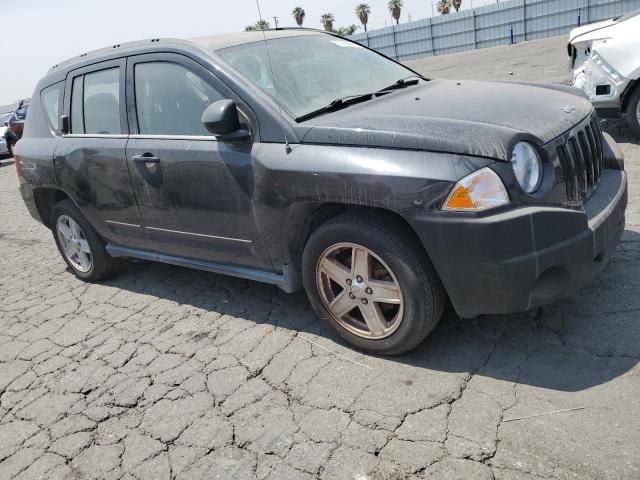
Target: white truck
x,y
605,59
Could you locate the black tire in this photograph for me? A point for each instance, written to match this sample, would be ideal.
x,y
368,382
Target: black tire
x,y
632,109
102,264
422,291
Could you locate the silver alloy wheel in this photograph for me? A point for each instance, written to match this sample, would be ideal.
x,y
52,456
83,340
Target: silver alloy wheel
x,y
359,290
74,243
638,112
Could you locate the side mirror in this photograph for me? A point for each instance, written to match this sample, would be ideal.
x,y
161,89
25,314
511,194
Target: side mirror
x,y
63,124
221,119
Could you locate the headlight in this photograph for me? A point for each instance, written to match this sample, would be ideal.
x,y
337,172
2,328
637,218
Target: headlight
x,y
527,166
479,191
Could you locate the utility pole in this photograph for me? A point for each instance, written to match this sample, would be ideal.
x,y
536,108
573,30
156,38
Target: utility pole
x,y
275,20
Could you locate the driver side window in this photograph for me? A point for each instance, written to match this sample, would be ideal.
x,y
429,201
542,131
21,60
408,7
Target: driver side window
x,y
170,99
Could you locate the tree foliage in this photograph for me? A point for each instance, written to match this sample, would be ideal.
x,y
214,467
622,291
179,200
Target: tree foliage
x,y
327,20
362,12
299,14
395,8
444,7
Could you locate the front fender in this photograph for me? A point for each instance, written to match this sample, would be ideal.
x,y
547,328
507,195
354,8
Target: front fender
x,y
291,187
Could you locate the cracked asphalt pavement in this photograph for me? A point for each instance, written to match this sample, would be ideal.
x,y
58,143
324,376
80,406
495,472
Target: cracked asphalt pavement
x,y
163,372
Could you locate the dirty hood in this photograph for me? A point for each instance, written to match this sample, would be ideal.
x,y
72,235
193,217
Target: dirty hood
x,y
464,117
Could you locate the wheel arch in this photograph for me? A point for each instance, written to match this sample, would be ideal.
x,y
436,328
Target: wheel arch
x,y
315,216
45,199
628,93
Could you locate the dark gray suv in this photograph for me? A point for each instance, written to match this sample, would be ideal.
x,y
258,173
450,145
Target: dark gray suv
x,y
307,161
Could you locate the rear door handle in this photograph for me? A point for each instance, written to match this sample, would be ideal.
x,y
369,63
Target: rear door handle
x,y
146,158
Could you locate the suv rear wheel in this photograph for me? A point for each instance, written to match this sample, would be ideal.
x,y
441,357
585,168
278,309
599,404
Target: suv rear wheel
x,y
375,289
79,244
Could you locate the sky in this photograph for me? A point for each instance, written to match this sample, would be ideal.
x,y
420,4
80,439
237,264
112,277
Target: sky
x,y
44,32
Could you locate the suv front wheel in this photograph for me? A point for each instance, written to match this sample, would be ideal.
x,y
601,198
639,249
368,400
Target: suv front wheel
x,y
79,244
376,290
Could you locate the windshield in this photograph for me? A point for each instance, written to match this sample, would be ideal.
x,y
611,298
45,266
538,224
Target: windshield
x,y
312,70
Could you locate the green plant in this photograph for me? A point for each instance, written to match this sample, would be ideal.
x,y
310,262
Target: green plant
x,y
346,31
395,8
299,14
327,20
362,12
444,7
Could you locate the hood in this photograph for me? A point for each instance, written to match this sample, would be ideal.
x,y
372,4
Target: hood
x,y
463,117
592,27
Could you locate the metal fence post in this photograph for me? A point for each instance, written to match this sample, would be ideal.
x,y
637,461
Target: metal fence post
x,y
395,46
475,32
433,48
524,18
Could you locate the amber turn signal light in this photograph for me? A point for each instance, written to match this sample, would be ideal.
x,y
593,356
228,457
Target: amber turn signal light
x,y
479,191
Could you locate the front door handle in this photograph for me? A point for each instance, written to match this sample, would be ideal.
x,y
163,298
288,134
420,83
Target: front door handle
x,y
146,158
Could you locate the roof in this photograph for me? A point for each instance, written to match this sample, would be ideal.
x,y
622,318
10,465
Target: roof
x,y
208,43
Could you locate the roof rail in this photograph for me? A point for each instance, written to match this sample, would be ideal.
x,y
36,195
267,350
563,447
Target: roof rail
x,y
106,50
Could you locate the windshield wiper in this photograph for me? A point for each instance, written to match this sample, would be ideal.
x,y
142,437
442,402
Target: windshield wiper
x,y
404,82
340,103
343,102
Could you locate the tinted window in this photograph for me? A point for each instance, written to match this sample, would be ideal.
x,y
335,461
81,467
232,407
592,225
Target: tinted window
x,y
51,101
102,102
170,99
76,106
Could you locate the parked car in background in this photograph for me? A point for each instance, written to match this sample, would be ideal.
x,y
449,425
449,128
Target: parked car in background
x,y
324,165
4,124
605,58
15,125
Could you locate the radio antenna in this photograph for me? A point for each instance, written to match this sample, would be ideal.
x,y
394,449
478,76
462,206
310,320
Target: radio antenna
x,y
273,78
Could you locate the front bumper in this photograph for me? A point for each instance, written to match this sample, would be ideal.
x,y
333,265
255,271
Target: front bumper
x,y
526,257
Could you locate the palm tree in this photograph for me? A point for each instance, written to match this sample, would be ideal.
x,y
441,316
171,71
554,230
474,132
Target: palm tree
x,y
444,6
362,12
456,4
262,25
299,14
346,31
395,7
327,20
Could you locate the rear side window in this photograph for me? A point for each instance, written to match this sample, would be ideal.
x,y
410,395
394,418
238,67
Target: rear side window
x,y
102,102
170,99
51,98
95,103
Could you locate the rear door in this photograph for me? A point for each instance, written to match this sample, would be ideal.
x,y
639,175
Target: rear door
x,y
195,194
90,161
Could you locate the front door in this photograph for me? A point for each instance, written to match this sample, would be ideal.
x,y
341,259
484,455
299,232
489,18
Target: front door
x,y
195,194
90,161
